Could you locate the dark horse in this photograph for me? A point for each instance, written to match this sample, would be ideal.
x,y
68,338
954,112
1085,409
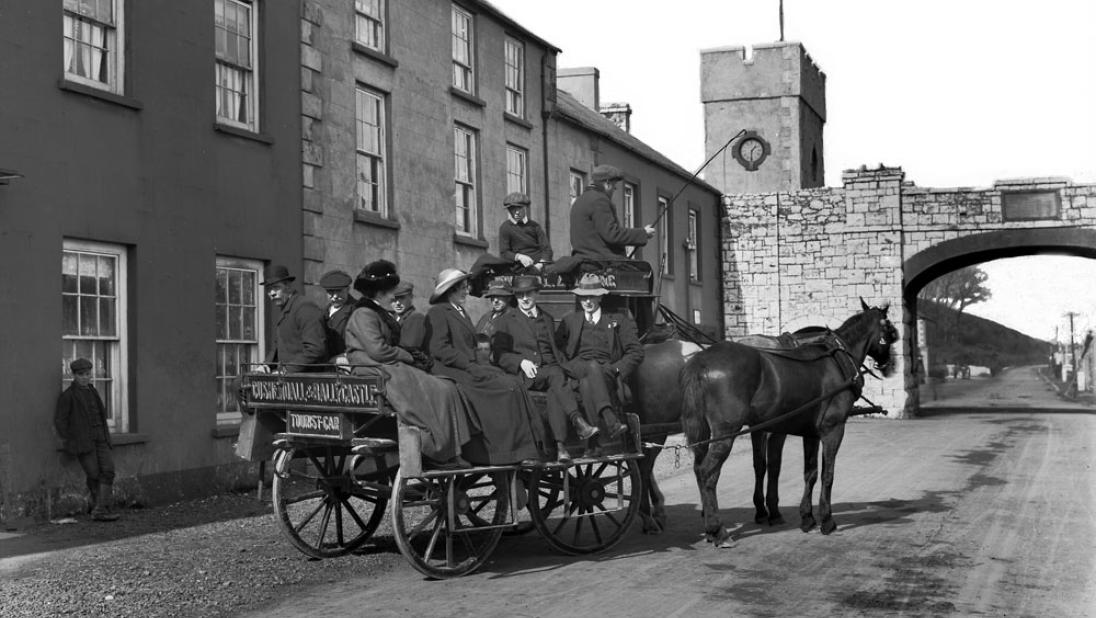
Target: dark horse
x,y
807,392
657,401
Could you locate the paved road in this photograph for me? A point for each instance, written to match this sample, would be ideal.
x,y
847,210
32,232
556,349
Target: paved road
x,y
976,512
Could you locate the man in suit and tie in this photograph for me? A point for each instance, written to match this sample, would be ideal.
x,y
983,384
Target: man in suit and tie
x,y
300,341
524,345
599,348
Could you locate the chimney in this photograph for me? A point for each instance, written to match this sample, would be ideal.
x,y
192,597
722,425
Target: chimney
x,y
581,83
620,114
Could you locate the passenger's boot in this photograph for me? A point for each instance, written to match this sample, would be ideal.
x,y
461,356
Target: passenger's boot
x,y
104,504
612,423
584,430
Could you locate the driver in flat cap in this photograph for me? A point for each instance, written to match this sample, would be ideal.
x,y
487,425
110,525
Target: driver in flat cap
x,y
595,230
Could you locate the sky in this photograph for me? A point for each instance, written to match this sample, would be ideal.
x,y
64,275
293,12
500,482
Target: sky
x,y
959,93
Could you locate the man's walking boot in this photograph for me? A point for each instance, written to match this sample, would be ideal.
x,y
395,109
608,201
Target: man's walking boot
x,y
103,506
613,425
584,430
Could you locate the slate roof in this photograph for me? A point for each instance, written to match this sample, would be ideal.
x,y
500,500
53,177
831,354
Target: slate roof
x,y
569,109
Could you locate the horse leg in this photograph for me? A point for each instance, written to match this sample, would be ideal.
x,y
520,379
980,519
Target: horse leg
x,y
707,470
831,442
776,458
652,503
810,476
758,440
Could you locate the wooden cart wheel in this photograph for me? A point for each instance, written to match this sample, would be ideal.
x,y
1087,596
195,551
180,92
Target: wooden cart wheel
x,y
325,508
439,522
593,511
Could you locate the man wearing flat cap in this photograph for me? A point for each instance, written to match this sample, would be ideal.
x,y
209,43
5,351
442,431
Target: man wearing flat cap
x,y
300,341
412,323
595,230
340,305
520,238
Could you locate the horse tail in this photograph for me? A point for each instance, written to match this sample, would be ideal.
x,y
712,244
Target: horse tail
x,y
693,399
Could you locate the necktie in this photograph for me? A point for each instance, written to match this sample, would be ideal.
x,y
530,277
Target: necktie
x,y
589,318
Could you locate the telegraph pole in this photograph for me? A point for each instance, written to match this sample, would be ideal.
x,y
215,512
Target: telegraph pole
x,y
1072,352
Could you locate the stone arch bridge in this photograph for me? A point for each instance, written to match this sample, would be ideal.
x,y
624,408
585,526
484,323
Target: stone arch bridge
x,y
806,257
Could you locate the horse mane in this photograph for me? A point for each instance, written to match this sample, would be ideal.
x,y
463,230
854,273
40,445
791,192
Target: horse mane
x,y
856,326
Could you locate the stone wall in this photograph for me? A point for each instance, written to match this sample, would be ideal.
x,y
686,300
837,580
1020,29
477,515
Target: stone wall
x,y
803,258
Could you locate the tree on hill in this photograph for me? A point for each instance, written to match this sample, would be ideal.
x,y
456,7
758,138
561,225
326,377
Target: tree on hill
x,y
957,290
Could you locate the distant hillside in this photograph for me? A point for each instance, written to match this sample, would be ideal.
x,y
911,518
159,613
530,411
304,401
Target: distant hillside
x,y
978,341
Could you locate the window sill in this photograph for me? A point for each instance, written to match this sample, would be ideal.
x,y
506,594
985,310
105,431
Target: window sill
x,y
372,218
521,122
470,98
468,241
225,431
696,282
244,133
102,95
374,54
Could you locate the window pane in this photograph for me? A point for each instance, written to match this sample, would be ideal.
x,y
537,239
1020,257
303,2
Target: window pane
x,y
235,295
70,324
89,316
68,273
248,282
222,321
249,325
106,275
87,274
106,318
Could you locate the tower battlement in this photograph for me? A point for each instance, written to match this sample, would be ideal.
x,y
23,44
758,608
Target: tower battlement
x,y
781,69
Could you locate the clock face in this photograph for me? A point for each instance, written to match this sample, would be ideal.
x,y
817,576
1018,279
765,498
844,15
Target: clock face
x,y
751,151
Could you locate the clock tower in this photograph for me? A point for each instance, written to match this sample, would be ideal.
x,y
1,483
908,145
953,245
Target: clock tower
x,y
778,97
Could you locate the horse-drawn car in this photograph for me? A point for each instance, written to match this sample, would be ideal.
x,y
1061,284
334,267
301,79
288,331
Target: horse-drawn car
x,y
341,458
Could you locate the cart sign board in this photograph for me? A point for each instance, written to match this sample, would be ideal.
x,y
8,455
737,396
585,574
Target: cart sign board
x,y
319,392
328,424
1030,205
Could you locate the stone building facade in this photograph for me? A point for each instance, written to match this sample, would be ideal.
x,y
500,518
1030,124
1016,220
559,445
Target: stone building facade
x,y
438,81
799,258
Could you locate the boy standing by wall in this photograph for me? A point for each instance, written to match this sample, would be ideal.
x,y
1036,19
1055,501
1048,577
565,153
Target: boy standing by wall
x,y
81,421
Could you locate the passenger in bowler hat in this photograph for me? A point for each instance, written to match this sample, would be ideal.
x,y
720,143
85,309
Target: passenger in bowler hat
x,y
595,230
340,304
520,238
599,348
524,345
499,295
300,338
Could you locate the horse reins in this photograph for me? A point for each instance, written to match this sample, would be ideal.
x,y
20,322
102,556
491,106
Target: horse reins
x,y
858,378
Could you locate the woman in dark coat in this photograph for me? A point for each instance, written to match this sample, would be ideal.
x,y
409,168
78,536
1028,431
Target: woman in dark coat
x,y
501,408
430,403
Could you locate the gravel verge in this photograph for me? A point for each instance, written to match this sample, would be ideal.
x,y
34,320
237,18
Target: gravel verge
x,y
217,556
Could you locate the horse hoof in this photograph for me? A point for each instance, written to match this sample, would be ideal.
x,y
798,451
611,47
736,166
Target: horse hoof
x,y
807,525
652,528
761,518
828,526
777,521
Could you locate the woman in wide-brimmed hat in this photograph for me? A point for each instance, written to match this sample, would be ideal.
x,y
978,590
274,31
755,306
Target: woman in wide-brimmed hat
x,y
419,399
501,408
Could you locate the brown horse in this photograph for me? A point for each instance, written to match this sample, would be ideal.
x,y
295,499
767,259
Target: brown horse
x,y
807,392
657,402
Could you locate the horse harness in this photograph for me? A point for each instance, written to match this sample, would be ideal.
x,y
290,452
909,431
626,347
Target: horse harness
x,y
814,348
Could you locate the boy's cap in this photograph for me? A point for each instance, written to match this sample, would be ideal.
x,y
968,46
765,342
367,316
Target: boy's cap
x,y
516,199
80,364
